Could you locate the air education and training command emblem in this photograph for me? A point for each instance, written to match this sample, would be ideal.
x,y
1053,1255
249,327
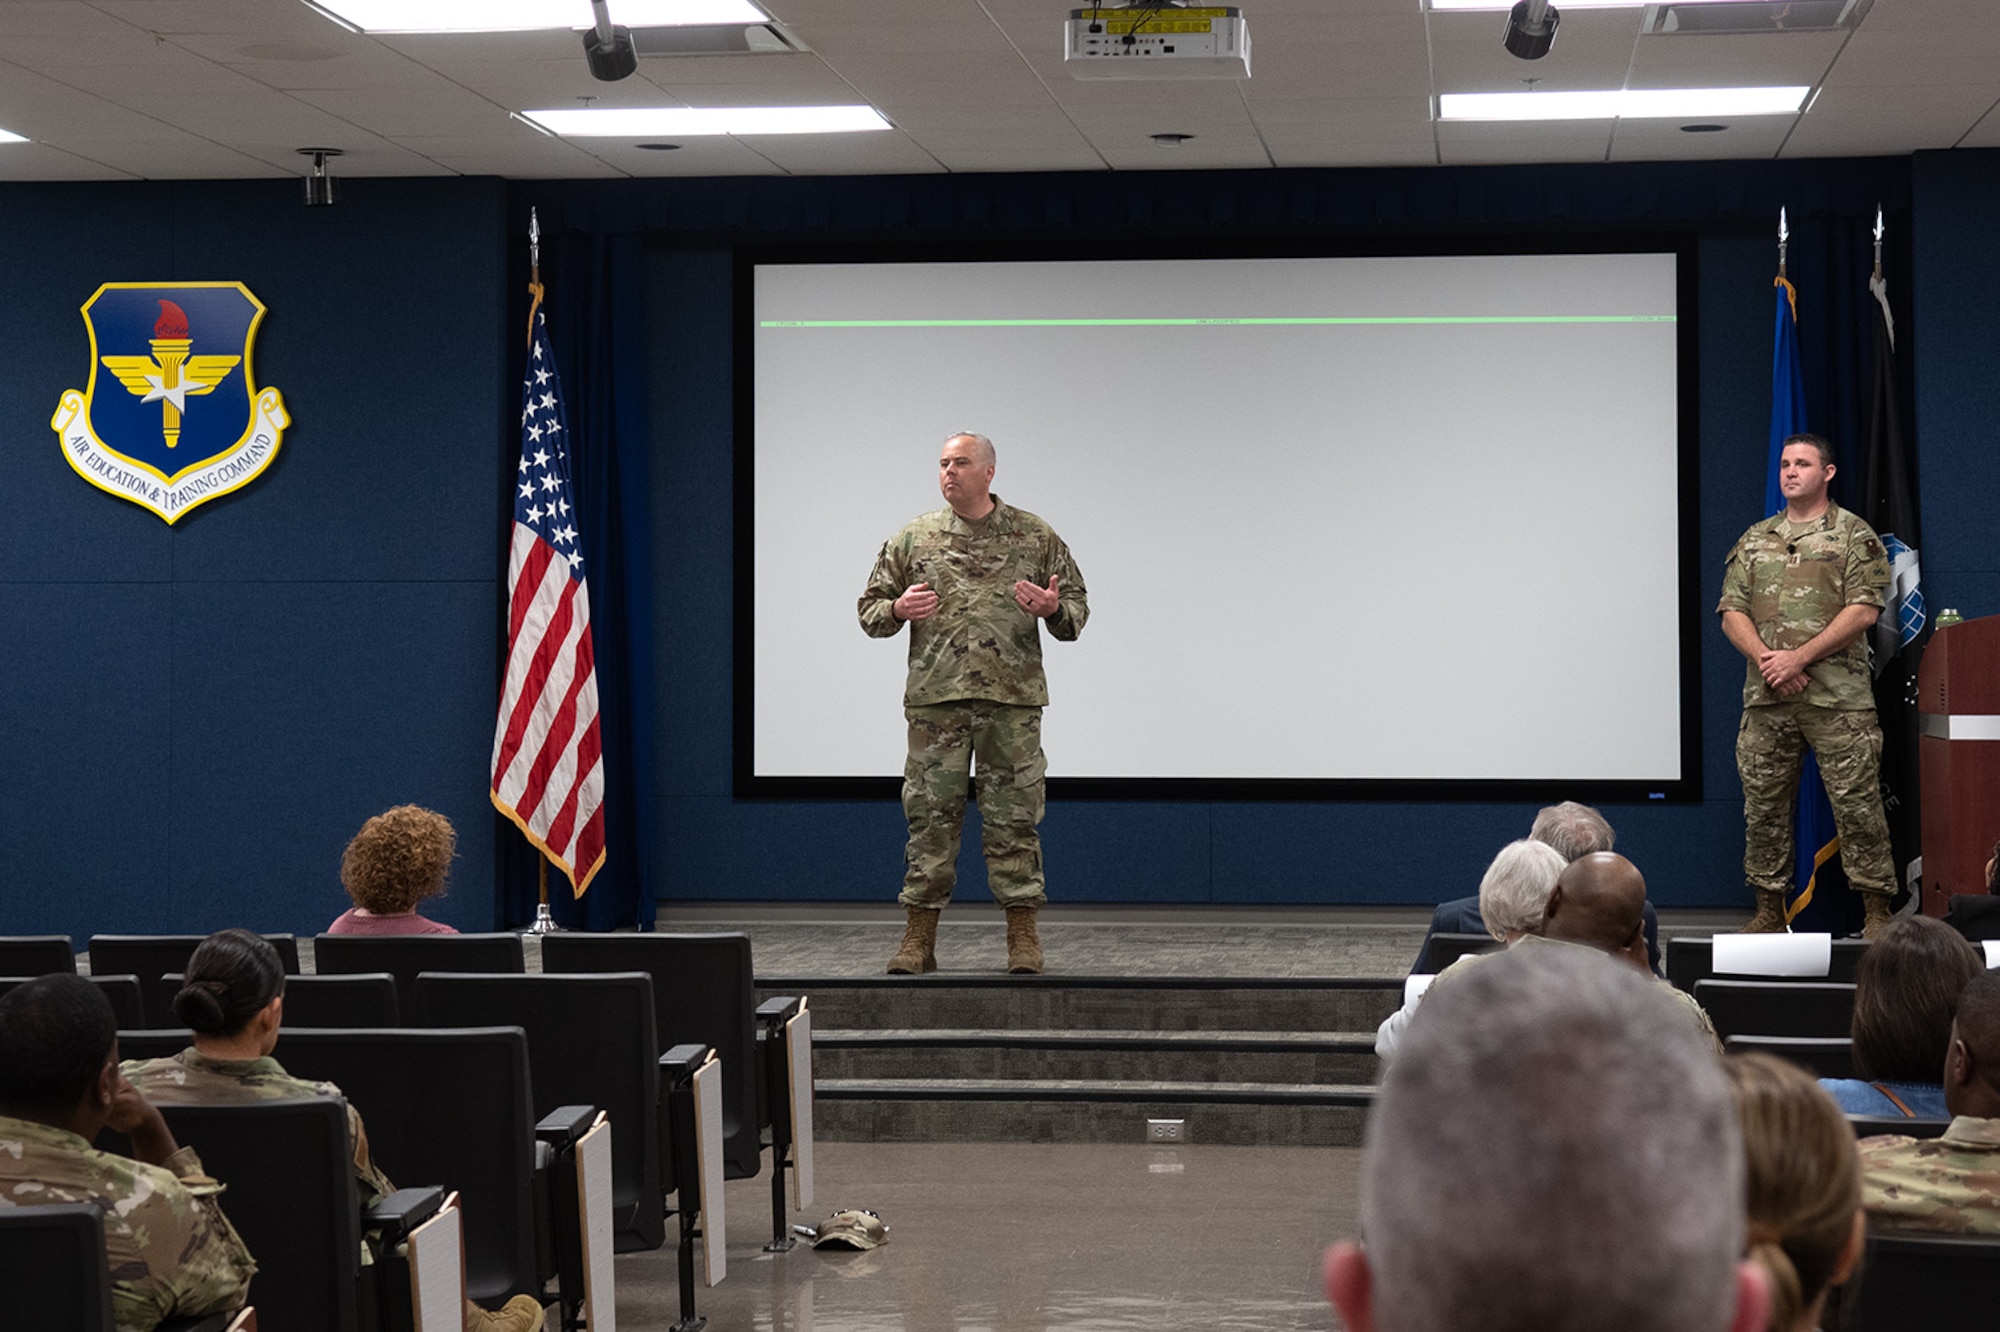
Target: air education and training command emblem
x,y
172,417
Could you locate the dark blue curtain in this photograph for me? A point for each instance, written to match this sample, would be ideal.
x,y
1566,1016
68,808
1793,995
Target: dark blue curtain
x,y
595,304
1830,258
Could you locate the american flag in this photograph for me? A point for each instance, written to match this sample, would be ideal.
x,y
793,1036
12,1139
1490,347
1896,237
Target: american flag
x,y
548,766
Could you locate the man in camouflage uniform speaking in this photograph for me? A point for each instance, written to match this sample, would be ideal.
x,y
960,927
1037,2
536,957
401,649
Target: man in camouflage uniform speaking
x,y
975,580
1799,593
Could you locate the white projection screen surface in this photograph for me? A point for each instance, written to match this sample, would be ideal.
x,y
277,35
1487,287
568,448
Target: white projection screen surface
x,y
1353,520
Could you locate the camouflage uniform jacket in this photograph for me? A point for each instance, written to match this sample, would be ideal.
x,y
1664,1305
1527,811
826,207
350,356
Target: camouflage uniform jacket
x,y
1792,582
1684,1001
1948,1184
980,644
172,1251
192,1078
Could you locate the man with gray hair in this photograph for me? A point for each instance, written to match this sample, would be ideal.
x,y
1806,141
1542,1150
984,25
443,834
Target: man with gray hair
x,y
1556,1151
1573,830
976,581
1513,897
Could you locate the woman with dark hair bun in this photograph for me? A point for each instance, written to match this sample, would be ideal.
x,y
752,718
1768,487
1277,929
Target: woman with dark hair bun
x,y
233,997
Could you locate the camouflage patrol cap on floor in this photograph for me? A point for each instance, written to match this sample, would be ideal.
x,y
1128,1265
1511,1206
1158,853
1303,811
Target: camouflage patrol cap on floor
x,y
853,1228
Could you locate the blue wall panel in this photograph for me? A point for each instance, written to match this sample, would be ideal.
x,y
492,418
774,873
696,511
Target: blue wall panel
x,y
1957,305
199,716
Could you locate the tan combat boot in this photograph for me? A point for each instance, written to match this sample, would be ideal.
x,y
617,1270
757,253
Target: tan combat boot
x,y
523,1313
1024,949
1770,917
1878,918
918,952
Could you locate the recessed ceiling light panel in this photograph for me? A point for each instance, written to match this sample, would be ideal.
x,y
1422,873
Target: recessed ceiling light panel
x,y
1445,6
420,16
667,122
1622,104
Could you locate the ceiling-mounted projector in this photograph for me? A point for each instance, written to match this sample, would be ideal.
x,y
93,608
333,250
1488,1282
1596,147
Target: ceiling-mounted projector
x,y
1156,41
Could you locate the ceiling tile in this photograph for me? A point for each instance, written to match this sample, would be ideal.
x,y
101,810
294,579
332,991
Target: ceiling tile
x,y
1573,141
219,87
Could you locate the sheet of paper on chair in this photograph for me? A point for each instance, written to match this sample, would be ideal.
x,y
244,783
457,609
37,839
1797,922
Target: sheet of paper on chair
x,y
1414,987
437,1266
593,1204
1992,947
798,1048
1773,954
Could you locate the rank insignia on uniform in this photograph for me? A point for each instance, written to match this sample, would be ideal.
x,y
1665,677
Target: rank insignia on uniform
x,y
171,417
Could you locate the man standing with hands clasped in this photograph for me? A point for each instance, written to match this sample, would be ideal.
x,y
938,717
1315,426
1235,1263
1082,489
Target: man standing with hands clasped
x,y
1798,596
975,580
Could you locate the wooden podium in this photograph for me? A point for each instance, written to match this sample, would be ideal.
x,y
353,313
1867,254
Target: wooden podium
x,y
1958,706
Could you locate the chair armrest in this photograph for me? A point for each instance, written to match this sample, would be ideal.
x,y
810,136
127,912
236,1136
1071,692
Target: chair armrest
x,y
239,1320
562,1126
402,1211
778,1008
684,1058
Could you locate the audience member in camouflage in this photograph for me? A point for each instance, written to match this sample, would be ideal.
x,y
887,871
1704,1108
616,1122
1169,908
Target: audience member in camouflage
x,y
233,1000
1799,594
1950,1183
192,1078
975,580
172,1252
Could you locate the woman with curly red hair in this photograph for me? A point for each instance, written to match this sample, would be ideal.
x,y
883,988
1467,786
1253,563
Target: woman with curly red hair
x,y
398,859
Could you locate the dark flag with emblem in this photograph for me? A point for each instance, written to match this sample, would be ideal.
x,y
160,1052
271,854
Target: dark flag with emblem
x,y
1816,876
548,767
1889,503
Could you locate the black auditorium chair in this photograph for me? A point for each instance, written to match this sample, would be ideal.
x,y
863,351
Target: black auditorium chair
x,y
1693,959
366,999
591,1041
1445,949
703,990
1939,1283
57,1279
1822,1056
36,954
122,991
705,993
1777,1008
291,1195
153,1042
52,1267
152,956
405,955
451,1106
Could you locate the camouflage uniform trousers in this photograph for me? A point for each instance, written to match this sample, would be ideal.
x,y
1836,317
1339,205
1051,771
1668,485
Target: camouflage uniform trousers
x,y
1770,752
1006,740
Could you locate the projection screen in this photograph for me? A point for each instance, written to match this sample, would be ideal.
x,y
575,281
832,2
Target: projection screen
x,y
1376,523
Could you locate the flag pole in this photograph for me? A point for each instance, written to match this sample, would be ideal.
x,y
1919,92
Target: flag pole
x,y
544,922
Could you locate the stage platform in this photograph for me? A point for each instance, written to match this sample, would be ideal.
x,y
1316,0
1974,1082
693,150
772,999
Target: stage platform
x,y
1252,1026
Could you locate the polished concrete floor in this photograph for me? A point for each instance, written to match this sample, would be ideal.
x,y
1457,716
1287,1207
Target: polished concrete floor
x,y
1007,1237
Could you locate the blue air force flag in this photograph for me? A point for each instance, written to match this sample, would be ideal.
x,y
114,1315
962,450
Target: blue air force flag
x,y
172,416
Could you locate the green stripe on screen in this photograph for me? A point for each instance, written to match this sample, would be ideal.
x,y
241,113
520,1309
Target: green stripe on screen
x,y
1195,323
